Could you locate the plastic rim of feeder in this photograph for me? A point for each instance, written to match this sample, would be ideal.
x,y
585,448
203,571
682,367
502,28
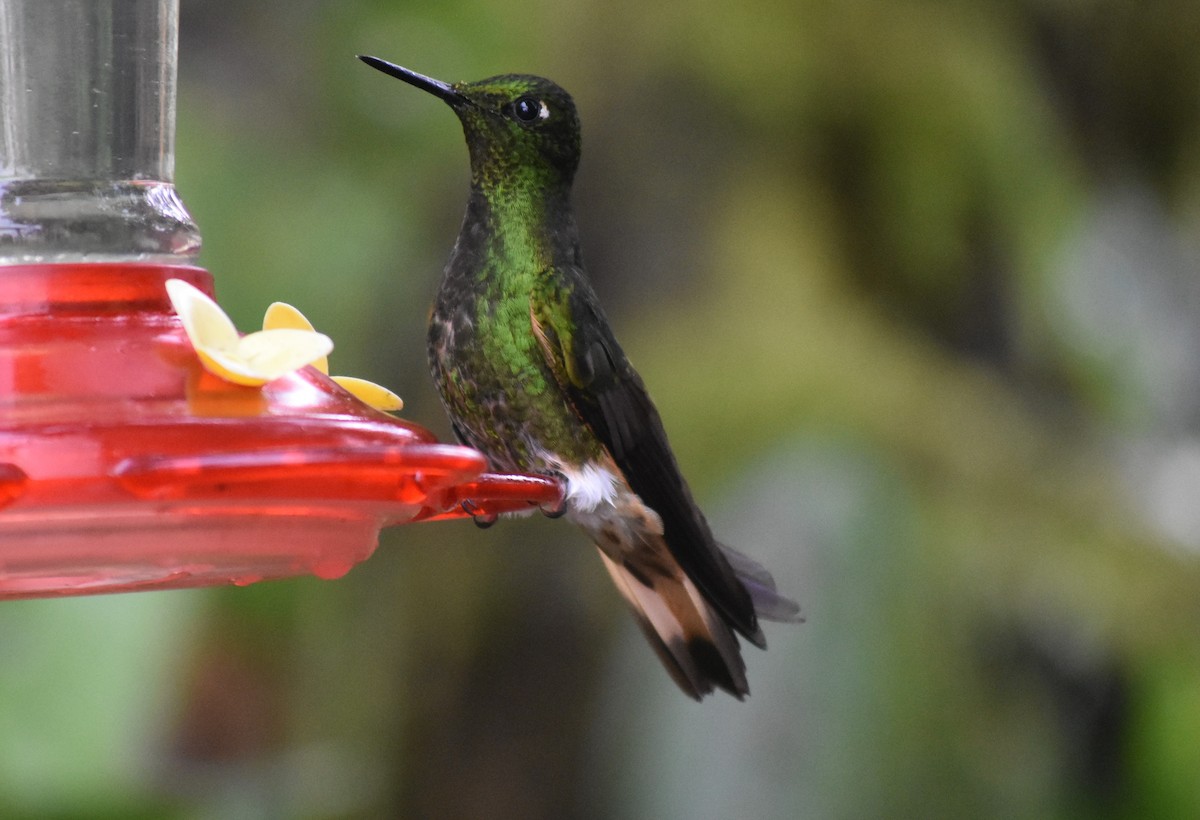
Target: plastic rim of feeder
x,y
125,465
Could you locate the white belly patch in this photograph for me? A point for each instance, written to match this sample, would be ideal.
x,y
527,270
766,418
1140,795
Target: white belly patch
x,y
590,486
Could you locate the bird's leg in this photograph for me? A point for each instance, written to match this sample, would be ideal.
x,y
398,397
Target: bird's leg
x,y
560,507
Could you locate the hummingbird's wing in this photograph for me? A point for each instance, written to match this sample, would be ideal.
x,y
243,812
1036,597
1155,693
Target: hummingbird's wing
x,y
611,399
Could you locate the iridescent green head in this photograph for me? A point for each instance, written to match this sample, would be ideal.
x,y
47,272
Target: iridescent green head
x,y
519,128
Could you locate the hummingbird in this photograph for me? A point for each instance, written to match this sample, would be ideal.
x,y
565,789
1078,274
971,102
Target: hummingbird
x,y
531,375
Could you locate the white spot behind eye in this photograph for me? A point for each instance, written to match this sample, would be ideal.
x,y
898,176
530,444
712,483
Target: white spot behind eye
x,y
544,111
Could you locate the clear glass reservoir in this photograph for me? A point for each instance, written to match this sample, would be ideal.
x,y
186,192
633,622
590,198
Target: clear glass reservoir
x,y
87,133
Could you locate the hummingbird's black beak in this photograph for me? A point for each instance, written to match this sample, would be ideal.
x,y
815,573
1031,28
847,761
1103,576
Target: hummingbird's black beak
x,y
435,87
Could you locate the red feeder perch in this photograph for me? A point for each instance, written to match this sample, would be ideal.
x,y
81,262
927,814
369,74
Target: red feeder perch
x,y
124,464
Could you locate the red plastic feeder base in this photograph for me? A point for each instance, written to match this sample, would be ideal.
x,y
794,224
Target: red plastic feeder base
x,y
124,465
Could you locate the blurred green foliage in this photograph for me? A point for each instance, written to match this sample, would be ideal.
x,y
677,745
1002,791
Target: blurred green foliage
x,y
913,284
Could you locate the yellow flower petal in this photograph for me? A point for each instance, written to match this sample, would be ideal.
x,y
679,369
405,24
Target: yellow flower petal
x,y
203,320
274,353
228,368
250,360
282,316
376,395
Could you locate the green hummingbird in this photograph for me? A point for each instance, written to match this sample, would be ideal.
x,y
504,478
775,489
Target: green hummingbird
x,y
531,375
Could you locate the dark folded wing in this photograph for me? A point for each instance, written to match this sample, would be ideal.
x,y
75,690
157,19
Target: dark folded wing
x,y
611,399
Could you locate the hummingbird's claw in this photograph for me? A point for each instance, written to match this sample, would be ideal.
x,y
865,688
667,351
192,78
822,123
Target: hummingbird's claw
x,y
556,511
559,508
482,519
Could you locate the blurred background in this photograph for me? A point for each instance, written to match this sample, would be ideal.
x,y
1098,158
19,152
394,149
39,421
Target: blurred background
x,y
915,288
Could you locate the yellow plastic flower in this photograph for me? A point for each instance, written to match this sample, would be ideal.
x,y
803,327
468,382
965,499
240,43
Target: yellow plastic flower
x,y
281,316
254,359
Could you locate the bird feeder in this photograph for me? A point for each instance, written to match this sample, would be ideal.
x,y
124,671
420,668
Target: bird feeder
x,y
124,464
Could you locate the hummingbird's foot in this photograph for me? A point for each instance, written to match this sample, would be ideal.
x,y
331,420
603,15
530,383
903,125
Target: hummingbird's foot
x,y
482,519
559,509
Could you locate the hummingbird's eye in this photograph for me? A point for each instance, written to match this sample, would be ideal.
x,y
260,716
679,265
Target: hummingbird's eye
x,y
527,109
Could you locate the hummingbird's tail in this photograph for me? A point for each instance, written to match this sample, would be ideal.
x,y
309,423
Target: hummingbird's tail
x,y
693,642
691,596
